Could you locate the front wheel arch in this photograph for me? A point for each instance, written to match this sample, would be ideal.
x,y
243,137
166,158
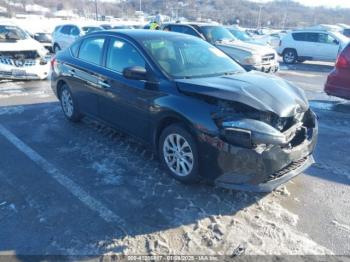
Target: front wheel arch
x,y
167,121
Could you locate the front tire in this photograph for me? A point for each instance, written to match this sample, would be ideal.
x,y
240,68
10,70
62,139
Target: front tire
x,y
290,56
69,105
178,153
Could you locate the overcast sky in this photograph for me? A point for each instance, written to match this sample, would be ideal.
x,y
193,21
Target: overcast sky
x,y
326,3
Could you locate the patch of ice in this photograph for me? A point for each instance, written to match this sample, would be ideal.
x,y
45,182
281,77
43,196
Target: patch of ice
x,y
110,172
11,110
321,105
341,226
334,169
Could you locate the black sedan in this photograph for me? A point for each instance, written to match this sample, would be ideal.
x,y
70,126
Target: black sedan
x,y
203,114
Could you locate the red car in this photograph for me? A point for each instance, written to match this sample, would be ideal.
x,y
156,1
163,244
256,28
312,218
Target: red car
x,y
338,81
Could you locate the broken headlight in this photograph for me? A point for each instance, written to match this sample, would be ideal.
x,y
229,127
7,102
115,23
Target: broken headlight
x,y
237,136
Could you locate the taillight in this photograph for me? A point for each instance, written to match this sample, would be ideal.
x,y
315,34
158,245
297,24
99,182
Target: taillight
x,y
53,62
342,62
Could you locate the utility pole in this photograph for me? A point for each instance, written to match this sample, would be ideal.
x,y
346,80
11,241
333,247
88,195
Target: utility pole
x,y
259,17
96,14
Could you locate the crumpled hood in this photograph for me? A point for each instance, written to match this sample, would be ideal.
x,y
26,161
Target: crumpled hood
x,y
255,89
250,47
23,45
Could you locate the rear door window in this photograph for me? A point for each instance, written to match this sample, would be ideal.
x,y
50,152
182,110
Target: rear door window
x,y
121,55
312,37
299,36
91,50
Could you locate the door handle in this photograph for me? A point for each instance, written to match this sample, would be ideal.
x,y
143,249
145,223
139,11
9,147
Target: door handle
x,y
103,84
71,72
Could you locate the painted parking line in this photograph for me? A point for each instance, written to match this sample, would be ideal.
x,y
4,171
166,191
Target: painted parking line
x,y
70,185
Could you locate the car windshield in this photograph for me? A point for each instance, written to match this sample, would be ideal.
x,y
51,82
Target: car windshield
x,y
11,33
217,34
241,35
189,57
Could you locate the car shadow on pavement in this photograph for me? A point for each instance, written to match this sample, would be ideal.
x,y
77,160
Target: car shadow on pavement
x,y
332,151
116,170
311,67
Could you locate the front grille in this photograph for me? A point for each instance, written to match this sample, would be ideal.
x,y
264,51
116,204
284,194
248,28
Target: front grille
x,y
267,58
294,165
5,73
20,55
17,62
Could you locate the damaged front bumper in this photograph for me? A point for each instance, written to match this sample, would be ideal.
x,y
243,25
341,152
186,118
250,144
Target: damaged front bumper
x,y
275,158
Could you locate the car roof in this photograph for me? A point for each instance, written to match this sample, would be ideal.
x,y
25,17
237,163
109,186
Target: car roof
x,y
140,34
194,23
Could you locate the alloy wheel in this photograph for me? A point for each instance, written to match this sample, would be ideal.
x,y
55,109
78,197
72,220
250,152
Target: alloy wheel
x,y
178,155
289,57
67,103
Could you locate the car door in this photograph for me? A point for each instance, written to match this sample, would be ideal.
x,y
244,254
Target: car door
x,y
305,44
86,72
123,102
329,47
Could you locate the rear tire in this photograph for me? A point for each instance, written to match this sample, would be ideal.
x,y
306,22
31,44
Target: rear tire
x,y
290,56
69,105
178,153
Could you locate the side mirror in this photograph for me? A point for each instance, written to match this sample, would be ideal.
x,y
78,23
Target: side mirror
x,y
135,73
335,41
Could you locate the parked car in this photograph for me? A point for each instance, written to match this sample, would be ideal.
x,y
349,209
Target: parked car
x,y
242,35
21,57
250,56
200,111
338,81
64,35
346,32
299,46
45,39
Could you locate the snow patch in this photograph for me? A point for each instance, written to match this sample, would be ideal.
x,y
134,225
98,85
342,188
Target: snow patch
x,y
264,228
321,105
341,226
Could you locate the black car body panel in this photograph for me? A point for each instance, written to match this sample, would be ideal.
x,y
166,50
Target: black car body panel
x,y
274,113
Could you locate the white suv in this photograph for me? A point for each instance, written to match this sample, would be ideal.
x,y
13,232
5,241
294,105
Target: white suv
x,y
21,57
64,35
299,46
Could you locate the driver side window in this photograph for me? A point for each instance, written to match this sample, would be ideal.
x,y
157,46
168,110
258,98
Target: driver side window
x,y
122,55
